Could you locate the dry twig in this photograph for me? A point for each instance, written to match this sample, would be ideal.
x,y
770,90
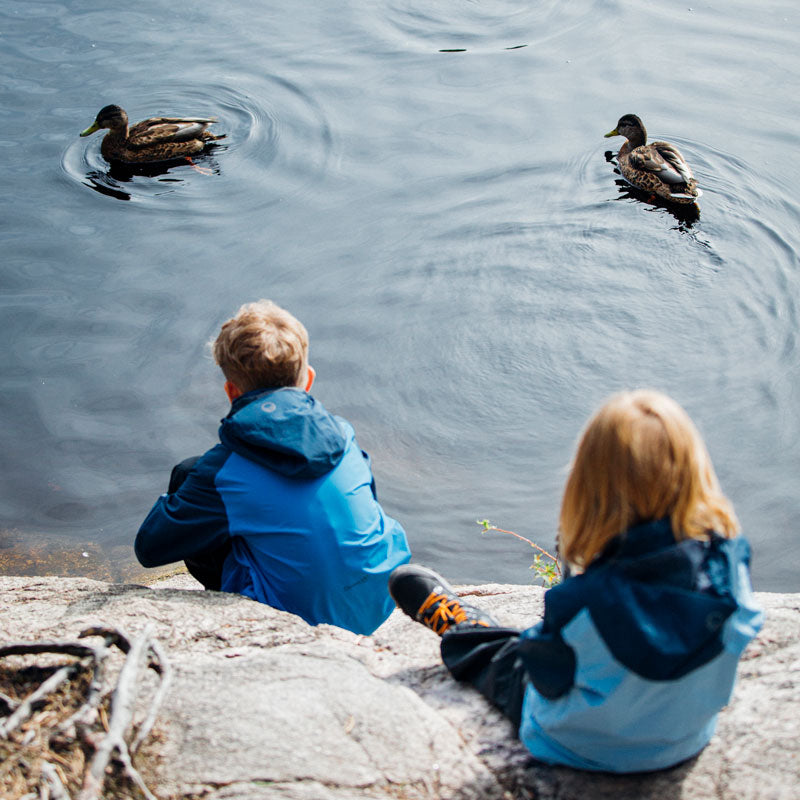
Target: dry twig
x,y
122,707
82,727
51,780
165,670
7,704
27,706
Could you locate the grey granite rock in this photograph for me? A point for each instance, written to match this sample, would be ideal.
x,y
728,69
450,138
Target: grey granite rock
x,y
266,707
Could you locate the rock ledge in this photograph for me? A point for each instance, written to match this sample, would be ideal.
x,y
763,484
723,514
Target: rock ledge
x,y
264,706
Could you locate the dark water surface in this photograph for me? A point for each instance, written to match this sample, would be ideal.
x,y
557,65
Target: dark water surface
x,y
446,224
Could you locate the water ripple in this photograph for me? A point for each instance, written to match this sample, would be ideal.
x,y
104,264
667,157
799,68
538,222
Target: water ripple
x,y
477,26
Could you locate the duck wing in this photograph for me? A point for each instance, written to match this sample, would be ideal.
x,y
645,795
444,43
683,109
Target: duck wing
x,y
664,160
163,130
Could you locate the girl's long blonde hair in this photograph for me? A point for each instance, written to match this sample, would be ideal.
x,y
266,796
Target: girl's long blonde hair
x,y
640,458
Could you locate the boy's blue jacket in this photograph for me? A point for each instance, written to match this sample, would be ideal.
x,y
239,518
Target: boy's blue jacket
x,y
634,658
294,493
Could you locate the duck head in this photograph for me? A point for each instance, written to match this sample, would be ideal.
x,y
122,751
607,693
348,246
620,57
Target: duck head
x,y
111,117
632,128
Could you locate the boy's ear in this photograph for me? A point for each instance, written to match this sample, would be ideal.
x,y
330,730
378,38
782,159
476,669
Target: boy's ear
x,y
312,373
232,390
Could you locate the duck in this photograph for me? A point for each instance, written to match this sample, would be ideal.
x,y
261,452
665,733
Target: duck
x,y
151,140
657,167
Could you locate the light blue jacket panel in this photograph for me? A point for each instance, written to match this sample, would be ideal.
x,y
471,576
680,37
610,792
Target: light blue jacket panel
x,y
321,548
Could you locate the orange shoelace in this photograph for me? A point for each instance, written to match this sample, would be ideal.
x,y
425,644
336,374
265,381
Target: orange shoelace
x,y
445,614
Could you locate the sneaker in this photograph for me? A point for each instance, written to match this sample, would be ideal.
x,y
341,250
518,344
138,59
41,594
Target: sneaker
x,y
428,598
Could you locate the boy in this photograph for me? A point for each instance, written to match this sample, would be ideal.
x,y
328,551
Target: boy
x,y
284,509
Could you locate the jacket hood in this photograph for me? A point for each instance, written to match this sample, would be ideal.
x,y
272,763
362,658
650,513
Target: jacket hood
x,y
285,430
658,604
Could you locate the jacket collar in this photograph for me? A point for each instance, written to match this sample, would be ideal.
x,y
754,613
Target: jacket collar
x,y
256,394
639,540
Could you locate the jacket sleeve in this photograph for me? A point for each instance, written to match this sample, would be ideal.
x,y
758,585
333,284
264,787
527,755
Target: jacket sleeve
x,y
549,662
189,522
548,659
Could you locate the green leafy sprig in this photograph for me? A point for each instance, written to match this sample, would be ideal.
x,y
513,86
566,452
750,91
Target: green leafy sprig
x,y
545,565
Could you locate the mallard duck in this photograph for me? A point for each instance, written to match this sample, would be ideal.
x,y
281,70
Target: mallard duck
x,y
156,139
657,167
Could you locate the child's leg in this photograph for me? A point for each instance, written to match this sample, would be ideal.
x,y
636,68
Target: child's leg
x,y
474,647
488,659
180,472
206,568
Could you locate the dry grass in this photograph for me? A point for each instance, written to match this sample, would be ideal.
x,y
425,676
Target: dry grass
x,y
38,740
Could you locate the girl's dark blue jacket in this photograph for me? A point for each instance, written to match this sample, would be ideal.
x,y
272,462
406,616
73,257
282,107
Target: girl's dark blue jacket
x,y
291,490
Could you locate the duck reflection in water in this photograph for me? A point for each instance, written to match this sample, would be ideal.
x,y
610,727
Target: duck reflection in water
x,y
111,182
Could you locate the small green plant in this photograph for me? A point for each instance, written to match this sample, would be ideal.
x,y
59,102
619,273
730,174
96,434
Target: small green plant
x,y
545,566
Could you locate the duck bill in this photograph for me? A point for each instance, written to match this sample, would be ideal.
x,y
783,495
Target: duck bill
x,y
615,132
90,130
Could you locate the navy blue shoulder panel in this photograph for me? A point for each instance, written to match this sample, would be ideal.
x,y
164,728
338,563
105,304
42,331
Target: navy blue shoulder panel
x,y
657,631
190,522
660,614
659,605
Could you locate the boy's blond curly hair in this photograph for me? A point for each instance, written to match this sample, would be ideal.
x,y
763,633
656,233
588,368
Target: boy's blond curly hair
x,y
640,458
262,347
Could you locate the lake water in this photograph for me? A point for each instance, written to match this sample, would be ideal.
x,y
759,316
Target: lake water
x,y
425,183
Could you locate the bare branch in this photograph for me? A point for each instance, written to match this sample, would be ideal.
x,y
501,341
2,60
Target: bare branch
x,y
63,648
7,704
87,713
122,708
100,746
165,670
111,635
53,782
26,707
134,775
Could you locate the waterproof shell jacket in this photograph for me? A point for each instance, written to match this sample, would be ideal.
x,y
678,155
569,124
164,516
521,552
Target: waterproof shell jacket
x,y
290,489
635,657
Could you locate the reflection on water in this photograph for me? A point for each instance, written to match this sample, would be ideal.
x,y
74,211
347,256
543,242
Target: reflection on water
x,y
103,182
109,182
464,49
448,228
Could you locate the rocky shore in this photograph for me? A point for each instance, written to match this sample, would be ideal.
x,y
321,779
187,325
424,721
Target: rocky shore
x,y
263,706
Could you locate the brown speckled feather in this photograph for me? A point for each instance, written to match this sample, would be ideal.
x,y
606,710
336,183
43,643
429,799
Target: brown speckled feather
x,y
162,130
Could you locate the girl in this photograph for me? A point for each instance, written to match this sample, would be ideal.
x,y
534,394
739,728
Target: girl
x,y
637,650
